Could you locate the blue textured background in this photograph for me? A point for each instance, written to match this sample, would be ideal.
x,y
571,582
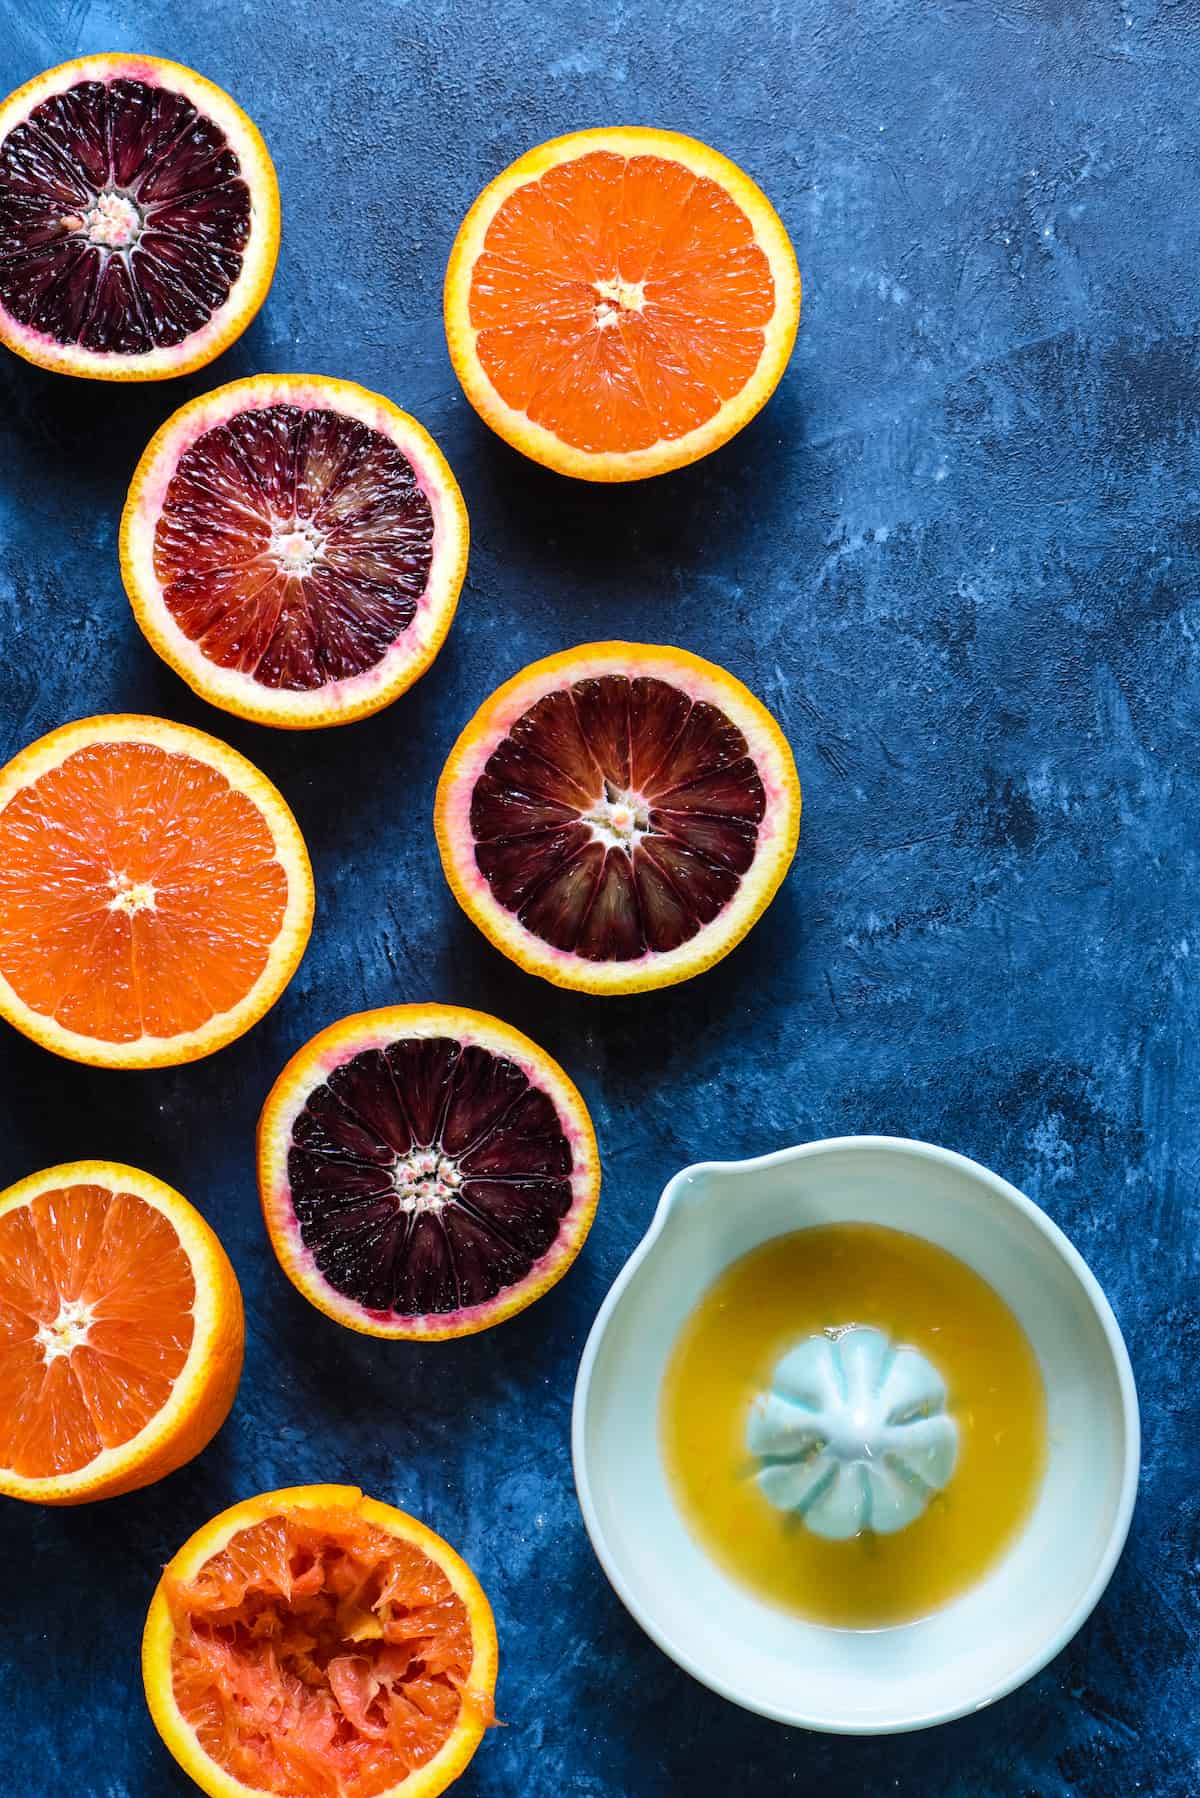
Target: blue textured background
x,y
958,557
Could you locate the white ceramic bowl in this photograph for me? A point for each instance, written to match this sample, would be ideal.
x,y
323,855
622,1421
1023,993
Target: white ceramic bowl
x,y
1003,1630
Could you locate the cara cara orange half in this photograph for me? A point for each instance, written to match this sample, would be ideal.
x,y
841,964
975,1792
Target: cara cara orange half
x,y
314,1641
620,302
155,892
121,1333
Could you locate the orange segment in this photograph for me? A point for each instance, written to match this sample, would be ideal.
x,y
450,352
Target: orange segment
x,y
154,892
620,302
313,1641
120,1333
105,1272
109,866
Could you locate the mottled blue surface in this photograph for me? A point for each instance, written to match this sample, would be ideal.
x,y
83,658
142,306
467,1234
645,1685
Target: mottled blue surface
x,y
958,555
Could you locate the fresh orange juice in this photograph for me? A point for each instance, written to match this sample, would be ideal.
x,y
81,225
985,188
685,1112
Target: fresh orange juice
x,y
825,1279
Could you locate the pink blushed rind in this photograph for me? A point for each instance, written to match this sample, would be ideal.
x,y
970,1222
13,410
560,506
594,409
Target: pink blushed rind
x,y
339,1043
414,650
250,288
778,832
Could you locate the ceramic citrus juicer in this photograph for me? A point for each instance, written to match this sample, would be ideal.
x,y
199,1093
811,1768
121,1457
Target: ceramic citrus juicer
x,y
854,1432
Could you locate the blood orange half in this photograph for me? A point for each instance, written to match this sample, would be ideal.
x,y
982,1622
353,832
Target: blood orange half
x,y
616,817
294,547
425,1171
313,1641
620,302
155,892
121,1333
139,219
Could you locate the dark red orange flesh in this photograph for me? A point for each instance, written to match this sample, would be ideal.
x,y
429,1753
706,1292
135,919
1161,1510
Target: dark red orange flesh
x,y
676,775
294,545
428,1176
184,208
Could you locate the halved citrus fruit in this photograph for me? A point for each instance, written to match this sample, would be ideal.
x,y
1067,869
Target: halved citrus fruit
x,y
616,817
620,302
120,1333
139,219
155,892
425,1171
316,1641
294,547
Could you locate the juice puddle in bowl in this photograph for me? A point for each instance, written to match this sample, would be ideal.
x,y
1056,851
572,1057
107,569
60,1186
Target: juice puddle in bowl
x,y
821,1282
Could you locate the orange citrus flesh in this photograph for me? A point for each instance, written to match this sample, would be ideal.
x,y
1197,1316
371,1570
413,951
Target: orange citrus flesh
x,y
155,892
96,1297
139,893
318,1653
620,300
121,1333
